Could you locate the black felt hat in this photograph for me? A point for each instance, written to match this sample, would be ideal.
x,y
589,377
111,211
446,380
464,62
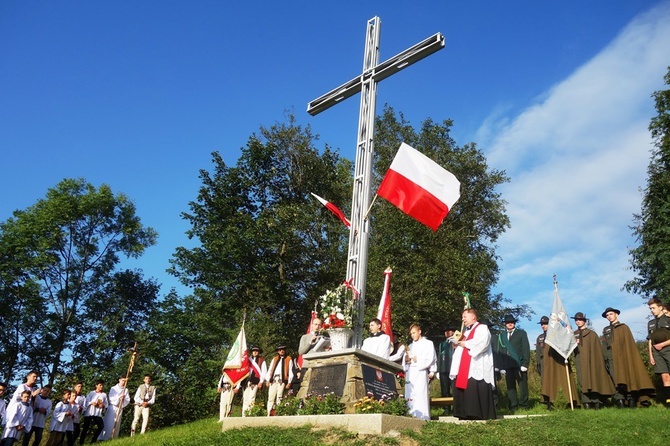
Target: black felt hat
x,y
610,309
544,320
510,318
579,315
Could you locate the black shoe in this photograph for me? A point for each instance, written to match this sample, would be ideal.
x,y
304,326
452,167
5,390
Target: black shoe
x,y
586,406
597,406
620,404
550,406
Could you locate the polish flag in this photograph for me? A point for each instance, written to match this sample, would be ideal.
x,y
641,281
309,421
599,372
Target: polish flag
x,y
384,311
420,187
334,209
236,366
309,329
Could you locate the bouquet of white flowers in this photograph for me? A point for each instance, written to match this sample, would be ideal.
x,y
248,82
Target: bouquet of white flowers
x,y
337,308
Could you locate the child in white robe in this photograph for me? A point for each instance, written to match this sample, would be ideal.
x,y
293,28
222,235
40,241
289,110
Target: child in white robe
x,y
60,420
19,419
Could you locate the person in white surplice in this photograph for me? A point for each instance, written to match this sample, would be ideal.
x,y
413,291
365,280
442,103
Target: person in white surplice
x,y
379,343
472,370
117,394
417,362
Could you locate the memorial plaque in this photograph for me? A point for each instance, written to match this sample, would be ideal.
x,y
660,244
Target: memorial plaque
x,y
378,382
327,379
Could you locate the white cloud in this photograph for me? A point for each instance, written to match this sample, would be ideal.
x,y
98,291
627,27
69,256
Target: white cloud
x,y
577,160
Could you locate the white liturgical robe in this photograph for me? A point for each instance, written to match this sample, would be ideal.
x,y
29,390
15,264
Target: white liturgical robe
x,y
379,345
422,354
479,347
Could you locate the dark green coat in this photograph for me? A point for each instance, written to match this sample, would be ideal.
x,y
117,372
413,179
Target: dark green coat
x,y
505,360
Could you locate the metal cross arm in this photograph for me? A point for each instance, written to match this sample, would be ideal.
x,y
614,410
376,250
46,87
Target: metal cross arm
x,y
379,73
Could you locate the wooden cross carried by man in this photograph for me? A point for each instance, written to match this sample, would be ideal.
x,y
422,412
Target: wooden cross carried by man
x,y
366,83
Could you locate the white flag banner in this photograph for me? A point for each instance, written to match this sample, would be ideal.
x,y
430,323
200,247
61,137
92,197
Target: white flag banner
x,y
560,335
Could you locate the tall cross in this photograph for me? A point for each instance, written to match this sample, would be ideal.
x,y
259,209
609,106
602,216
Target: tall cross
x,y
366,83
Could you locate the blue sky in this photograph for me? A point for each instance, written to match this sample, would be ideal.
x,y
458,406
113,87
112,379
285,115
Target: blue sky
x,y
138,94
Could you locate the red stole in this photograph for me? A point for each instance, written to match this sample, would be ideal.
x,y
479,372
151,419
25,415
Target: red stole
x,y
464,366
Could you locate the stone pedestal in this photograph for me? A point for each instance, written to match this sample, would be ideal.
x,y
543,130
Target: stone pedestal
x,y
349,373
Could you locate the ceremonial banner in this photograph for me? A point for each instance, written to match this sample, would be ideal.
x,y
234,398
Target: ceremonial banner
x,y
384,311
334,209
420,187
237,362
560,335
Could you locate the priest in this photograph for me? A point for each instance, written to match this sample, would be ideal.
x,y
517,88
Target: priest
x,y
472,370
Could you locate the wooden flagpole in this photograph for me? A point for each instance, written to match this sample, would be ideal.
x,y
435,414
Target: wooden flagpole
x,y
567,375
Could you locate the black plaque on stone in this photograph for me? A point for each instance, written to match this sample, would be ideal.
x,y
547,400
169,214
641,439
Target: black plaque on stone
x,y
378,382
327,379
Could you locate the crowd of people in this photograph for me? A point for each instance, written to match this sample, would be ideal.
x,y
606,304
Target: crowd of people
x,y
74,416
609,368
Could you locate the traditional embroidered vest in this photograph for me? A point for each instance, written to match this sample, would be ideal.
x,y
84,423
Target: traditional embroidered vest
x,y
147,395
284,368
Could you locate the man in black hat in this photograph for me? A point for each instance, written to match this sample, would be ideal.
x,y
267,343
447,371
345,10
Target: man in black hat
x,y
539,344
624,363
594,383
513,353
445,351
278,378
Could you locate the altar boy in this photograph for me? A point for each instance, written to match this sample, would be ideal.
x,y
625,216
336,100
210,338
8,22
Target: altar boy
x,y
19,419
61,419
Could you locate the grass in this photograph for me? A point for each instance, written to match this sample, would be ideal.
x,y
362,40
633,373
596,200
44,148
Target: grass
x,y
609,426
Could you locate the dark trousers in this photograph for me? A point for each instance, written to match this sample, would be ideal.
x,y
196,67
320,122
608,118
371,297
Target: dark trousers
x,y
38,431
446,385
87,424
512,378
74,434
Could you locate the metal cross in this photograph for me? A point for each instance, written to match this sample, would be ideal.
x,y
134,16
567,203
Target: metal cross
x,y
366,83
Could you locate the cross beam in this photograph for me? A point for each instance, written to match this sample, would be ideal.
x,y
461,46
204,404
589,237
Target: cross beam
x,y
373,73
379,73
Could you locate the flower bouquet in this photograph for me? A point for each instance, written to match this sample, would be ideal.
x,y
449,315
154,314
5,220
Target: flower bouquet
x,y
337,308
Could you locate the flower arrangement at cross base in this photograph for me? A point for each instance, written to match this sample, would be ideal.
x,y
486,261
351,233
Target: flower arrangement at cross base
x,y
337,308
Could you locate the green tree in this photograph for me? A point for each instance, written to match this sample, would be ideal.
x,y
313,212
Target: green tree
x,y
432,270
651,258
266,247
118,314
58,255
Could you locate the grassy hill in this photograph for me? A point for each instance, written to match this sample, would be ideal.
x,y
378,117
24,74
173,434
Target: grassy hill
x,y
650,426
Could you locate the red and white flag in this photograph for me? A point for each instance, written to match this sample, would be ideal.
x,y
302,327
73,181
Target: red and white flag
x,y
237,362
384,311
420,187
309,330
334,209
